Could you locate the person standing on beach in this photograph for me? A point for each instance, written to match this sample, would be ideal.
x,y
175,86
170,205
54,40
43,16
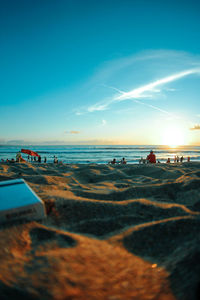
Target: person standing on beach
x,y
18,157
151,158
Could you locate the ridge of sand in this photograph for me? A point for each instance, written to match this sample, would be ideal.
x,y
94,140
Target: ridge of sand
x,y
112,232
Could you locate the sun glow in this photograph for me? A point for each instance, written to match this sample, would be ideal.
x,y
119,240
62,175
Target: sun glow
x,y
173,136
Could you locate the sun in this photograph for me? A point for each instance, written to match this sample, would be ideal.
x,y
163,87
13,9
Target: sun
x,y
173,136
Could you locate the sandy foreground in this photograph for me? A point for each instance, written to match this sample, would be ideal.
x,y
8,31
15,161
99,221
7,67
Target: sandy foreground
x,y
111,232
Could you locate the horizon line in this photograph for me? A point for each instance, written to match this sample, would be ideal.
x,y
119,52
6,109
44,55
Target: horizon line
x,y
19,145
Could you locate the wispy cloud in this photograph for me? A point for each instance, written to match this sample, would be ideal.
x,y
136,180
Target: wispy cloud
x,y
196,127
140,92
112,82
143,92
156,108
173,58
99,106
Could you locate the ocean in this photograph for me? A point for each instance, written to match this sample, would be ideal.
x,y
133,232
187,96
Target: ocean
x,y
101,154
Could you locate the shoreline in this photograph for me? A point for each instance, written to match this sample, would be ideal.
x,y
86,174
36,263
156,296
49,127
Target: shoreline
x,y
103,154
101,164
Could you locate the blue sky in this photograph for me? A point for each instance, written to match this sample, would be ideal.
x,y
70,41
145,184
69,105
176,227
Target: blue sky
x,y
100,72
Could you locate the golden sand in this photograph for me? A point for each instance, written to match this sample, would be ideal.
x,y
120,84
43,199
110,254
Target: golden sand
x,y
112,232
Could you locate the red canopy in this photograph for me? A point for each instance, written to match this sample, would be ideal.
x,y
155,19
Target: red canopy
x,y
29,152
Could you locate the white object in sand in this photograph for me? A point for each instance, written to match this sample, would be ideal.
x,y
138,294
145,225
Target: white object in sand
x,y
19,202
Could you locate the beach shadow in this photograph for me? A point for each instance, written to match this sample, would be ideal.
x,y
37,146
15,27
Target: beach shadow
x,y
155,242
184,269
11,292
105,219
42,235
3,178
173,245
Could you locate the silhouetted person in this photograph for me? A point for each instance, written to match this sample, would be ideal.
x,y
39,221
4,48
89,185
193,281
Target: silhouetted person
x,y
113,162
123,161
18,157
151,158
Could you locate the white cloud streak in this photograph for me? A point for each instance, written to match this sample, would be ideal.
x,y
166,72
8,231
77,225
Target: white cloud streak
x,y
145,91
139,92
156,108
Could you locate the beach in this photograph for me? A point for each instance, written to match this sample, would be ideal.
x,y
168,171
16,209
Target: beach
x,y
115,232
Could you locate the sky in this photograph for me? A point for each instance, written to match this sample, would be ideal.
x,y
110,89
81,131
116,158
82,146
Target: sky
x,y
100,72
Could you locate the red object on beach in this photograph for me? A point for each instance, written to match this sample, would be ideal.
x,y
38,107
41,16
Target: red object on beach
x,y
29,152
22,160
151,158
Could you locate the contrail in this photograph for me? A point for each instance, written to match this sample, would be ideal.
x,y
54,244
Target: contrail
x,y
140,92
156,108
136,93
114,88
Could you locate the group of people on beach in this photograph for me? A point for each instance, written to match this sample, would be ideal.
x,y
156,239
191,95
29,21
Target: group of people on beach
x,y
19,158
151,158
113,162
29,158
32,159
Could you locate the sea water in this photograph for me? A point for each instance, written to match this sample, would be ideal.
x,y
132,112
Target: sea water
x,y
101,154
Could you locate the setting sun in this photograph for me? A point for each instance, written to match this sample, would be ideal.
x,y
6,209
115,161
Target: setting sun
x,y
173,136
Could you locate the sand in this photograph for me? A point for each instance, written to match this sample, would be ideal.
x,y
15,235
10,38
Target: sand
x,y
111,232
